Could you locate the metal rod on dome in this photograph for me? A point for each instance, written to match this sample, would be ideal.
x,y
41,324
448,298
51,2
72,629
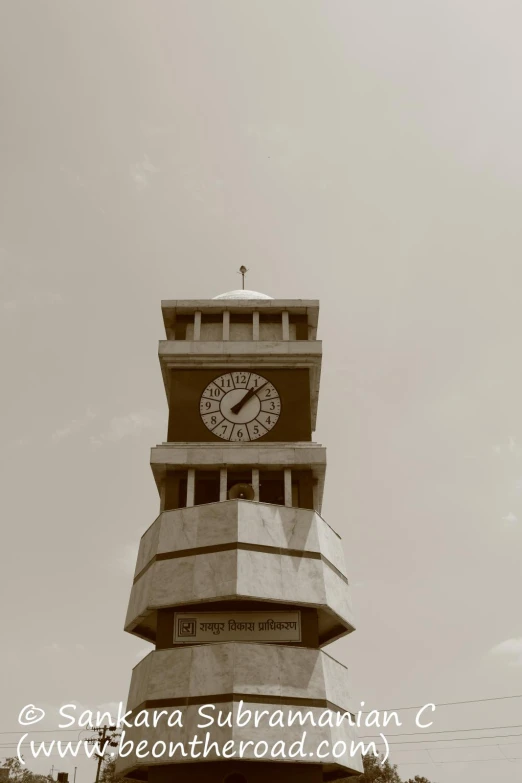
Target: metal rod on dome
x,y
243,270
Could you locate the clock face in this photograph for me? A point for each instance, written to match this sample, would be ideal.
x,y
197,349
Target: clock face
x,y
240,405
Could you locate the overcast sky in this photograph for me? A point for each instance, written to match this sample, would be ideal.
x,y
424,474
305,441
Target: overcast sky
x,y
366,154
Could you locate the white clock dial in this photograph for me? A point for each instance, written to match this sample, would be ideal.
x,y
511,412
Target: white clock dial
x,y
240,405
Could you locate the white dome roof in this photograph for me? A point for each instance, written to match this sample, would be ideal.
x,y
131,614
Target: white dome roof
x,y
241,294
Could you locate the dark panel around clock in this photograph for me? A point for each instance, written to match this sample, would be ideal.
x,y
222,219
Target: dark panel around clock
x,y
187,386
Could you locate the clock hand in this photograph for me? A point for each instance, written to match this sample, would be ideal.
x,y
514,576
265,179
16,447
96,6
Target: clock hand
x,y
250,393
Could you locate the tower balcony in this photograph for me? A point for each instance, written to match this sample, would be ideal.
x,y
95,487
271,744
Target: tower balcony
x,y
235,678
216,555
301,468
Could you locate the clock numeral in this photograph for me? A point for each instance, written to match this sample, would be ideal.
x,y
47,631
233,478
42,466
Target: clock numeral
x,y
271,406
255,381
213,392
256,430
224,429
208,406
211,420
268,392
225,382
268,420
240,432
240,379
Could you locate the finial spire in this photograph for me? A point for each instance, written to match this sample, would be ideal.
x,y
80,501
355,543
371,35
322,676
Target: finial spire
x,y
243,270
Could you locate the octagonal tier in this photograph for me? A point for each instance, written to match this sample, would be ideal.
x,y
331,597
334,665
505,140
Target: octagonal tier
x,y
200,681
240,551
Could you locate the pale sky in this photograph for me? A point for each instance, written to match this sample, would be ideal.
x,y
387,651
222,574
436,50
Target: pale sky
x,y
366,154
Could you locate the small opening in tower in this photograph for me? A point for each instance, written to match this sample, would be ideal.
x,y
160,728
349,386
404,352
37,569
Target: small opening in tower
x,y
181,324
303,488
238,477
235,777
206,487
175,489
211,318
270,327
240,318
298,326
211,326
272,487
241,326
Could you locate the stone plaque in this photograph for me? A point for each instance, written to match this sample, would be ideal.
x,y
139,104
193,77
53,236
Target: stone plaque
x,y
197,627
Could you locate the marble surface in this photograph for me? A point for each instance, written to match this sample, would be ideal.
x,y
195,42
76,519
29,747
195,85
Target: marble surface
x,y
192,719
261,524
239,574
249,348
240,668
220,454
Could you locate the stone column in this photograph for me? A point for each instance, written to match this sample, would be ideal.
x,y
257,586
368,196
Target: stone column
x,y
163,490
288,486
255,325
197,325
226,324
191,486
286,325
255,483
223,484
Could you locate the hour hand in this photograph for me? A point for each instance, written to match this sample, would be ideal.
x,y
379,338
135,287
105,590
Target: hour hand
x,y
250,393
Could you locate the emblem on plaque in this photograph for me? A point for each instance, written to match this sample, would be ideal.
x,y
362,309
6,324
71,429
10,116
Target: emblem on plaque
x,y
186,627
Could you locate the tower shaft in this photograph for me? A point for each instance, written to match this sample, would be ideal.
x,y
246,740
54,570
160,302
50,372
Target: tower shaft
x,y
240,582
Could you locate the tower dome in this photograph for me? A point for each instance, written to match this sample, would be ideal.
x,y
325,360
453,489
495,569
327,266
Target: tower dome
x,y
242,294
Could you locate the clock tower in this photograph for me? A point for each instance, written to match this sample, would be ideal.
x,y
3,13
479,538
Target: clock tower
x,y
240,583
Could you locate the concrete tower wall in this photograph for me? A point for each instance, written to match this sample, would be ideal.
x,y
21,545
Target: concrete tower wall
x,y
239,582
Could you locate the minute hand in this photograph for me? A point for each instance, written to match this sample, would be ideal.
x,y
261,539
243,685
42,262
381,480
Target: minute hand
x,y
250,393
